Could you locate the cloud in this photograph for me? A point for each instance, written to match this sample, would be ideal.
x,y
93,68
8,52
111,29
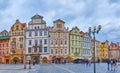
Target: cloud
x,y
81,13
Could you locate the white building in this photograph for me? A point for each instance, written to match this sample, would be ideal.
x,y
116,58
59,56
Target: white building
x,y
86,46
37,40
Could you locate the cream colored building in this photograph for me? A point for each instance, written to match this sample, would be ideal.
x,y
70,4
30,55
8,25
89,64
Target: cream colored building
x,y
17,41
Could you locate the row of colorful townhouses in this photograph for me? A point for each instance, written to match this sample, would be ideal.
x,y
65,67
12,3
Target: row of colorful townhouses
x,y
42,44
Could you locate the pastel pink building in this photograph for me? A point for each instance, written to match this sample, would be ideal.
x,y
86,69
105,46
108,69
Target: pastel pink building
x,y
114,50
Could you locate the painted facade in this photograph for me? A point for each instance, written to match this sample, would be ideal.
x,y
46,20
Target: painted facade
x,y
86,45
37,40
114,51
97,49
59,40
103,50
75,43
5,47
17,42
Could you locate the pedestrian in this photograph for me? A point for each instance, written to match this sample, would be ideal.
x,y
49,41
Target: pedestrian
x,y
114,65
89,62
111,62
108,63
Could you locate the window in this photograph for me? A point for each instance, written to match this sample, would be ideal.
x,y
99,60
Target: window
x,y
65,35
45,49
72,36
36,42
18,33
13,51
45,33
30,42
30,34
51,41
29,50
61,42
56,34
13,34
40,33
76,50
21,39
21,45
17,27
51,51
40,41
36,33
61,35
56,51
56,41
65,51
65,42
40,49
7,52
7,45
72,42
61,51
45,41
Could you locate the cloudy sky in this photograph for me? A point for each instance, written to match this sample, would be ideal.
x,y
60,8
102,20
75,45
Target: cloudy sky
x,y
81,13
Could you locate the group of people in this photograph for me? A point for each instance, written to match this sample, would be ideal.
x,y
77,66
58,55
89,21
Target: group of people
x,y
112,63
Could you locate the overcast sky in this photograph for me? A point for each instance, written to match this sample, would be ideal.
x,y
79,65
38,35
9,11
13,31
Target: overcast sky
x,y
81,13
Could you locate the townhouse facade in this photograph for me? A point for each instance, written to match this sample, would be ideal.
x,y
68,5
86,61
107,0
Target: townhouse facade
x,y
86,46
59,41
103,50
37,40
97,49
75,43
114,51
17,42
5,47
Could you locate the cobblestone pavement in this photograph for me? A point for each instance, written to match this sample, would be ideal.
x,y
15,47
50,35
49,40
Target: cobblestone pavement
x,y
57,68
74,68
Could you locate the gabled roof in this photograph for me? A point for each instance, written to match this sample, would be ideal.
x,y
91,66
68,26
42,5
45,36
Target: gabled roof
x,y
58,20
37,17
3,32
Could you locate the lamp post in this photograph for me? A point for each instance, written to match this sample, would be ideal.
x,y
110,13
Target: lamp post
x,y
94,31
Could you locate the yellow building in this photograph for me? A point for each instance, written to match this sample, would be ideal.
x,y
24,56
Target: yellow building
x,y
17,42
103,50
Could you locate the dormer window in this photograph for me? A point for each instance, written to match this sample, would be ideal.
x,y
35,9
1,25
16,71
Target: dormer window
x,y
17,27
59,25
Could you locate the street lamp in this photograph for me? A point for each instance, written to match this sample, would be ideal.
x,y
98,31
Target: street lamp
x,y
94,31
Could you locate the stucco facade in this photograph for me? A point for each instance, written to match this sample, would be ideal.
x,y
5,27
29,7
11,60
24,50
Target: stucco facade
x,y
75,43
59,40
17,41
86,46
37,40
5,47
103,50
114,51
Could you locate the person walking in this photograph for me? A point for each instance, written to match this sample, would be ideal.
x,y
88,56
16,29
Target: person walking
x,y
114,65
111,62
108,63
